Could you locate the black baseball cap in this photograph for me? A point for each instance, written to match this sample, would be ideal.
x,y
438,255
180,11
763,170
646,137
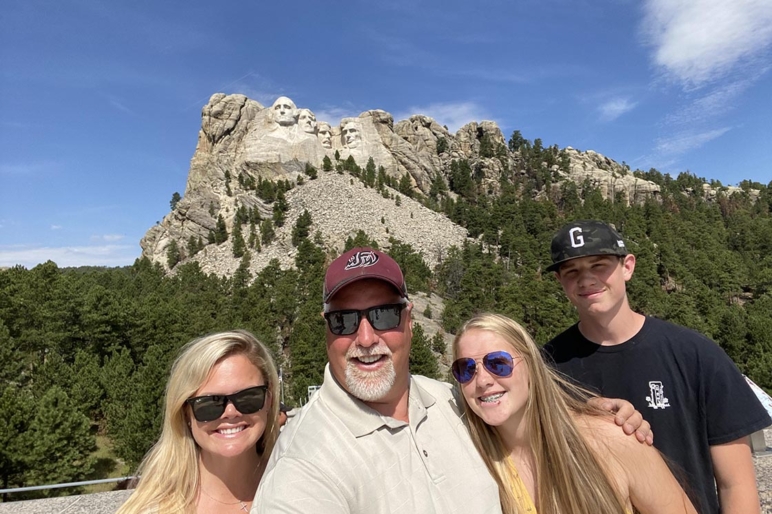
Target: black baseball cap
x,y
584,238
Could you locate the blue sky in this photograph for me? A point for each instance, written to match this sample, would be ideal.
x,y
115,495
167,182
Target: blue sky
x,y
100,102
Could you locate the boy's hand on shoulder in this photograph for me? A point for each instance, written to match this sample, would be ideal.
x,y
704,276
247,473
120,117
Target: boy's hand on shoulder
x,y
626,417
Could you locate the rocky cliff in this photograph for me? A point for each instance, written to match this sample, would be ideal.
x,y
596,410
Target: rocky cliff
x,y
242,143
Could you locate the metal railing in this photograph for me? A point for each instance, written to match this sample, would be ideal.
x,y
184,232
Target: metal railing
x,y
69,484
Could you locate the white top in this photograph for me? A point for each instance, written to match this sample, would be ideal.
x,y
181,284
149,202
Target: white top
x,y
340,456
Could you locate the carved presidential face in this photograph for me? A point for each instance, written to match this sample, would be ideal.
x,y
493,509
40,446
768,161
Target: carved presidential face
x,y
307,121
351,134
325,134
284,111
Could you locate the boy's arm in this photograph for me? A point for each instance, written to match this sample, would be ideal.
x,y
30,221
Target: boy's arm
x,y
735,477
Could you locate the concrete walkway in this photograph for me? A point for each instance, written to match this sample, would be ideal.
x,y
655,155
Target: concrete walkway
x,y
98,503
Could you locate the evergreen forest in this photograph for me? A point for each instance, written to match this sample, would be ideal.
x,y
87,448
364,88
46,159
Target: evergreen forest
x,y
85,352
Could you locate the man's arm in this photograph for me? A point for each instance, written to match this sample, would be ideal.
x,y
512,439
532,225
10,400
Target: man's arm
x,y
735,477
626,417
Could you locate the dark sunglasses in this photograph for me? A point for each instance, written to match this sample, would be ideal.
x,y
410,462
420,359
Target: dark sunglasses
x,y
246,401
381,317
500,364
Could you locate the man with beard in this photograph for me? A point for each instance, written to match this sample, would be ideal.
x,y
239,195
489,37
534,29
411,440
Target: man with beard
x,y
375,439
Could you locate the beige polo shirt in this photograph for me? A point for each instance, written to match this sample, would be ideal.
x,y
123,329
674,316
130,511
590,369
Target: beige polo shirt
x,y
340,456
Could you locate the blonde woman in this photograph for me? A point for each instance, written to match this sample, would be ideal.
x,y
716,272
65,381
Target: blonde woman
x,y
547,449
220,425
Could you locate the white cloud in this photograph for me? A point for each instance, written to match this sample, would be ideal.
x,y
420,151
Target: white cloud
x,y
67,256
332,114
453,114
718,101
56,227
118,104
686,141
28,168
698,41
616,107
107,237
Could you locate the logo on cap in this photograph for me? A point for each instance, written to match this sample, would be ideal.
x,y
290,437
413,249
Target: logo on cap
x,y
361,260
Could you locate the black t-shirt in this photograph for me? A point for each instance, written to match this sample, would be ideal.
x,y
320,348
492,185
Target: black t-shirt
x,y
684,385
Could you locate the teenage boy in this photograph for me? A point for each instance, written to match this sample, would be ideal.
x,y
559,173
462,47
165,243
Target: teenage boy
x,y
699,406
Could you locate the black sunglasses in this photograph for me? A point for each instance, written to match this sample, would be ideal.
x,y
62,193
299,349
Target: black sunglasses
x,y
381,317
500,364
211,407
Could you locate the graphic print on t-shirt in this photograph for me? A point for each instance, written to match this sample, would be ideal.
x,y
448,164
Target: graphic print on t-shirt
x,y
657,399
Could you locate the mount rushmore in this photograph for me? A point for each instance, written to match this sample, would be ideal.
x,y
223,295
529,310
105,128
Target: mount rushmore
x,y
242,141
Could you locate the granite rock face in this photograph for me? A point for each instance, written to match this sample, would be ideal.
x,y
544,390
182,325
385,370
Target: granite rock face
x,y
609,176
242,141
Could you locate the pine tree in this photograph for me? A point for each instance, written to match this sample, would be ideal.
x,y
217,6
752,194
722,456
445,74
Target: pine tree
x,y
221,231
175,200
58,443
438,343
326,164
239,246
422,361
267,233
302,228
16,408
369,178
173,254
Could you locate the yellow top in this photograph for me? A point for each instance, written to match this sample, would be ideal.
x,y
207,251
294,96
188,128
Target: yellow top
x,y
523,498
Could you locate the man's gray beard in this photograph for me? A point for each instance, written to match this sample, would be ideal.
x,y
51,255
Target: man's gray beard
x,y
370,386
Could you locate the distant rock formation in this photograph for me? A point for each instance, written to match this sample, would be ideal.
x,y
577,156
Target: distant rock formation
x,y
609,176
242,141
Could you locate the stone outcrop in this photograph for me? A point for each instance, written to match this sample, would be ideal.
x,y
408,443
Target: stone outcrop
x,y
609,176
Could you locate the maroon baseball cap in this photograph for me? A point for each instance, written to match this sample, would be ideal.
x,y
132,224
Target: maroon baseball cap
x,y
360,263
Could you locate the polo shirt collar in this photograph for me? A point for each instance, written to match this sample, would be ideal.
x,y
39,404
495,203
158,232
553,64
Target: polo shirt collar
x,y
361,419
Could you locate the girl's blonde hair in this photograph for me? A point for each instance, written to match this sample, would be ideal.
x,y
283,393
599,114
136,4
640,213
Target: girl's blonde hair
x,y
169,473
569,477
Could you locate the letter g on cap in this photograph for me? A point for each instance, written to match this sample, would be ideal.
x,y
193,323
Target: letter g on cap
x,y
576,237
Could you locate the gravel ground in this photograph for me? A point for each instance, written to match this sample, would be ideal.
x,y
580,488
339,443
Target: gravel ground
x,y
764,475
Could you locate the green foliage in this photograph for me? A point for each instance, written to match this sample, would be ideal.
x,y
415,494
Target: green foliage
x,y
417,272
516,141
195,245
405,186
173,254
280,209
438,343
175,200
442,145
302,228
422,360
428,311
361,239
267,232
311,172
58,443
326,164
239,245
220,231
369,175
461,181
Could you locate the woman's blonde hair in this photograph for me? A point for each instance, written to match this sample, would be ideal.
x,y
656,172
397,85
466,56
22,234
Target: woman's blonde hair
x,y
569,477
169,473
